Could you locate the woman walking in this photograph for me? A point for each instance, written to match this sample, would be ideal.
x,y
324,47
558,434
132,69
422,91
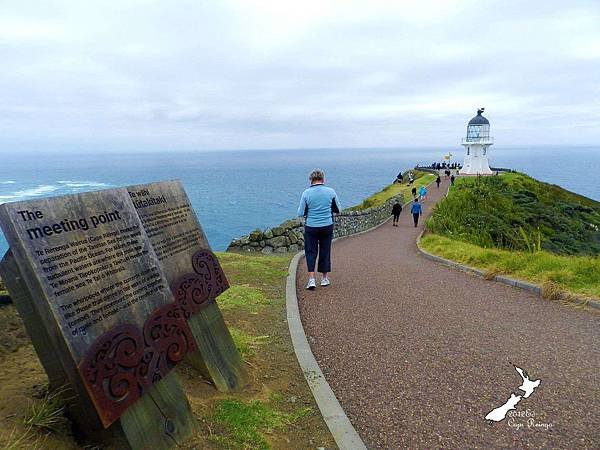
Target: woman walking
x,y
416,211
423,193
318,204
438,180
396,210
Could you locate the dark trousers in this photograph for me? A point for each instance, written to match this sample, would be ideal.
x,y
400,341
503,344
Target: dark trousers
x,y
416,218
396,217
317,240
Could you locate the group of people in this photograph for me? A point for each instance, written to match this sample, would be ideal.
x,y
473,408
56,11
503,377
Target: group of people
x,y
445,165
400,178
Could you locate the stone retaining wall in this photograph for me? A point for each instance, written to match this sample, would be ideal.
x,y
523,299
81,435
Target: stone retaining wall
x,y
289,236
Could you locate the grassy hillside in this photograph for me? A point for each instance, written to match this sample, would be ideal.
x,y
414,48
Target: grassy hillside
x,y
516,212
379,198
276,410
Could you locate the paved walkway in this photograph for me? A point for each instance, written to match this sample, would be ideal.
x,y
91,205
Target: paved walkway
x,y
418,353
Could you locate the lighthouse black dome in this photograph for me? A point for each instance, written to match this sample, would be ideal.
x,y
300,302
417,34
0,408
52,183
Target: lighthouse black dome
x,y
479,119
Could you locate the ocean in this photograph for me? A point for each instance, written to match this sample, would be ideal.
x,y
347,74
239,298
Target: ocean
x,y
234,192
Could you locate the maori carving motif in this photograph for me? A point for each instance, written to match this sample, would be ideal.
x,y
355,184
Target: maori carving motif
x,y
206,283
124,362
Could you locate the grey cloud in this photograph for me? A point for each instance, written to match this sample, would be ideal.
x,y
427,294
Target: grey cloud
x,y
207,75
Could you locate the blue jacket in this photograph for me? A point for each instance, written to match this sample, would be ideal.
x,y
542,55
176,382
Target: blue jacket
x,y
317,204
416,208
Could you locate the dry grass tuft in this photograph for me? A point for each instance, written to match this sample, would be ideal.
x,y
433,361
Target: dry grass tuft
x,y
491,273
551,291
48,413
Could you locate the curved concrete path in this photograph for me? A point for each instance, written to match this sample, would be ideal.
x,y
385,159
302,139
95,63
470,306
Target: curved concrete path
x,y
418,353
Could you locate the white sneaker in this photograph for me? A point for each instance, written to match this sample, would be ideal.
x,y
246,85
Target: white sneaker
x,y
311,284
325,282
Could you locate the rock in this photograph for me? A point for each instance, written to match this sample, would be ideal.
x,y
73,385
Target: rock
x,y
293,248
267,250
256,235
281,250
290,224
254,244
293,238
262,243
277,231
268,234
278,241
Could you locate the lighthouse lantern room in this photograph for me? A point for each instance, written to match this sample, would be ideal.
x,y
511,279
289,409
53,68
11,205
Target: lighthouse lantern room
x,y
476,144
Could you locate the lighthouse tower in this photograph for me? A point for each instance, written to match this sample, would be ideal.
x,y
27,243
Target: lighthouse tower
x,y
476,144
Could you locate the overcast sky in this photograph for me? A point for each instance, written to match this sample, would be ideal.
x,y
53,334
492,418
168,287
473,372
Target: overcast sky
x,y
152,75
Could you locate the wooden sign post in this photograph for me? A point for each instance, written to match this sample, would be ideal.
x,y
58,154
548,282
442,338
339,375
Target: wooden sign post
x,y
194,275
98,308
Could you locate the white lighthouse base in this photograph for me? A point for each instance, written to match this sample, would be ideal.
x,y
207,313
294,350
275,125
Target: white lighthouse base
x,y
476,165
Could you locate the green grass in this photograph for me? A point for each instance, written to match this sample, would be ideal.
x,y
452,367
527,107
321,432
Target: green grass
x,y
48,413
247,422
3,290
245,343
246,297
257,270
575,274
516,212
379,198
255,279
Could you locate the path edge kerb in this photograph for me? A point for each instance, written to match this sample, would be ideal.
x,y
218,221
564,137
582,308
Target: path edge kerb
x,y
342,430
534,288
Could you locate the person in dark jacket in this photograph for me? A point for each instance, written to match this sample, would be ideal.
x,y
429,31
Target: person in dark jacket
x,y
416,211
452,180
414,191
438,180
317,205
396,210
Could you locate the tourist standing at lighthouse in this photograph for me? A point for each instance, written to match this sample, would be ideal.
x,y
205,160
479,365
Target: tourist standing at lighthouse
x,y
318,204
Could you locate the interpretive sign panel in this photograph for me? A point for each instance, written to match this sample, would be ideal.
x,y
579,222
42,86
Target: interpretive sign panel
x,y
193,272
194,276
99,289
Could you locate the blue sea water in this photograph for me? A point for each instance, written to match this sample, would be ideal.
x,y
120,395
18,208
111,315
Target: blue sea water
x,y
234,192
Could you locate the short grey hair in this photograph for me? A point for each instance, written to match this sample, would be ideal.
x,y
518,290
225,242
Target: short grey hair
x,y
316,175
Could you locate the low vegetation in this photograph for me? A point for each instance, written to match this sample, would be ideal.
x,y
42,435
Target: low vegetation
x,y
275,410
379,198
247,423
48,414
579,275
516,212
3,291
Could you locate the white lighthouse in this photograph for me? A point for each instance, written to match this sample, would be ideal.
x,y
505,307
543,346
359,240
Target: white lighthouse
x,y
476,144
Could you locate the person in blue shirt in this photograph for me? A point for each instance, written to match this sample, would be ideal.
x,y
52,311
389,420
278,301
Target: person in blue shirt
x,y
416,211
423,193
318,204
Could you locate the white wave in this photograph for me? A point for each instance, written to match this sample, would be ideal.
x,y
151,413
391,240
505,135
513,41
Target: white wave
x,y
25,194
8,182
82,184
